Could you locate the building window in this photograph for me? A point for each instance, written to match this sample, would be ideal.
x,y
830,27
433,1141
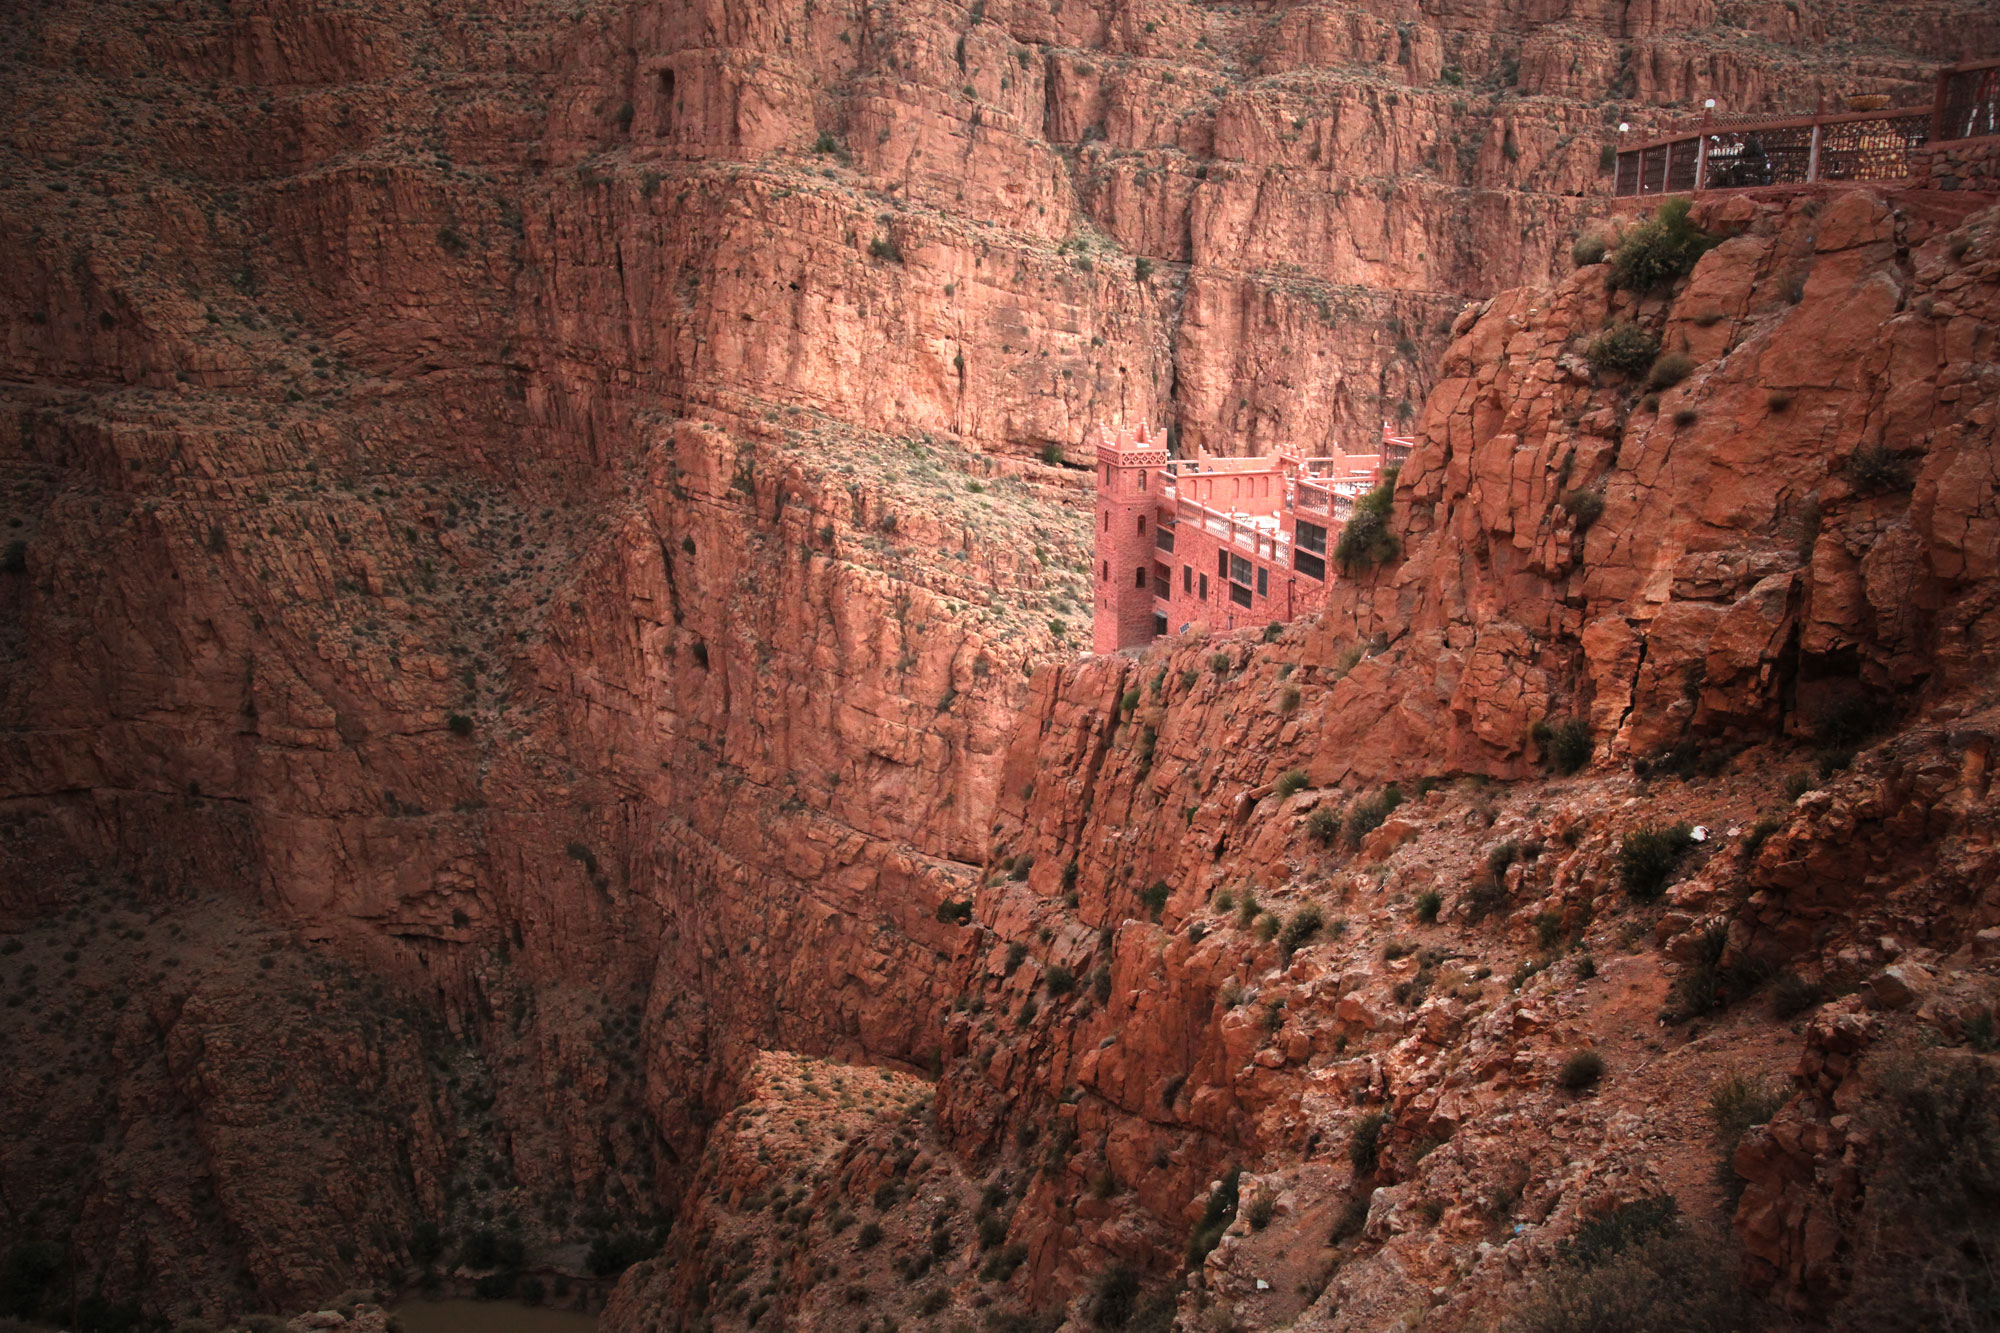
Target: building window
x,y
1204,587
1142,479
1239,570
1187,578
1312,537
1239,594
1222,564
1263,582
1159,624
1142,525
1163,581
1139,577
1163,536
1107,520
1104,573
1310,565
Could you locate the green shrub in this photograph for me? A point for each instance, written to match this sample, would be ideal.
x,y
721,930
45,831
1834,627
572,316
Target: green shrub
x,y
1059,979
1288,699
1736,1103
1670,370
887,248
14,559
1589,249
1873,470
1647,857
1673,1283
1581,1070
1115,1297
1792,996
1267,926
1263,1206
869,1236
1925,1241
1220,663
1290,783
1428,903
826,143
1216,1216
1366,541
1368,815
1022,865
1605,1237
1247,909
1584,507
1142,269
1686,417
1364,1149
1624,349
1778,400
1154,896
458,724
1661,249
1565,743
1300,927
1323,826
1130,700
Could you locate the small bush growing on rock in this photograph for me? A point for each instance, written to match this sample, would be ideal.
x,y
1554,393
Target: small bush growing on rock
x,y
1216,1216
1000,1265
1428,903
1288,699
1323,826
1059,979
458,724
1614,1232
1021,866
1304,923
1188,677
1664,247
1737,1102
1366,541
1873,470
1154,896
1220,663
14,559
1647,857
886,247
1130,701
1686,417
1115,1297
1582,1070
1142,269
1778,400
1263,1207
1291,782
1670,370
869,1236
1247,909
1624,349
1364,1149
1589,249
1584,507
1100,982
1565,743
1793,995
1267,926
1368,815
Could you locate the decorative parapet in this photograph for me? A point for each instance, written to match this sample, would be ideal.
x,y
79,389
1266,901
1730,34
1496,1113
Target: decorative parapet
x,y
1900,145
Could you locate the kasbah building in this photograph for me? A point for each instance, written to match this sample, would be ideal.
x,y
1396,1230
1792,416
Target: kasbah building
x,y
1216,544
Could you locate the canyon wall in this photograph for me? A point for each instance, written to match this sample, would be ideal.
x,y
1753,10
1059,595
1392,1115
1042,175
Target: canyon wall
x,y
459,529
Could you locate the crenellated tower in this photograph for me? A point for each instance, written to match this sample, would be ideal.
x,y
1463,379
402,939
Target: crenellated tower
x,y
1123,613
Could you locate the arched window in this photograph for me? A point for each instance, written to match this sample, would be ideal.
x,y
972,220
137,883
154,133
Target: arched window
x,y
1142,525
1139,577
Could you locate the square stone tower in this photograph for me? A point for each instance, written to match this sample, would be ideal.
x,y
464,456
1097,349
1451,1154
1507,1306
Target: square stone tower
x,y
1128,502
